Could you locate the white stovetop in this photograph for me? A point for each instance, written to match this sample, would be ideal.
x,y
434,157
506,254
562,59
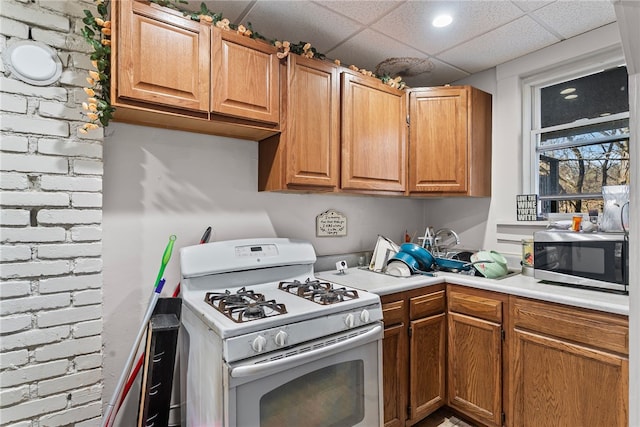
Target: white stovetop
x,y
519,285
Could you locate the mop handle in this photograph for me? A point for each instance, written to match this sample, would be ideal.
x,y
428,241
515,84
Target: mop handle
x,y
107,420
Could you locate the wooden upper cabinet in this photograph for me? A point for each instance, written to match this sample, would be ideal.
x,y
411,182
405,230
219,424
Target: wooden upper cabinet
x,y
163,58
244,77
306,154
374,135
450,141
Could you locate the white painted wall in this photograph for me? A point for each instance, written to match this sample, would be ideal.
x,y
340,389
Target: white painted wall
x,y
160,182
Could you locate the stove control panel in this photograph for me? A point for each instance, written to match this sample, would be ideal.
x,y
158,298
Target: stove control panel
x,y
267,340
256,250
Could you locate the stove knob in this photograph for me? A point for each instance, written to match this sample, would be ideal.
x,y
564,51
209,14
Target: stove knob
x,y
350,320
259,343
364,316
281,338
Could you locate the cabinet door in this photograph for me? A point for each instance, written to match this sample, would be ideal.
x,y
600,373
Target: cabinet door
x,y
559,383
438,140
244,77
306,154
162,57
394,371
427,373
373,135
475,368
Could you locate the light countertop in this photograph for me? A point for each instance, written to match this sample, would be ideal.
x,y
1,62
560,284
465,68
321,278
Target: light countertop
x,y
518,284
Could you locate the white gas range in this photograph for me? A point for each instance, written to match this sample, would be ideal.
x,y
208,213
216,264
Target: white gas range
x,y
264,343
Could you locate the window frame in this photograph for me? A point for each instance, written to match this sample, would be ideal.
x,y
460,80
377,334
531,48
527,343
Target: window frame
x,y
531,88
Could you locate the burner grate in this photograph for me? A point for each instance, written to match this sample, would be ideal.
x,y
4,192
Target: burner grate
x,y
244,305
317,291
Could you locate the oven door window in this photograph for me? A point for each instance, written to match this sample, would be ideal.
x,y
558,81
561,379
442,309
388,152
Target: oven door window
x,y
329,397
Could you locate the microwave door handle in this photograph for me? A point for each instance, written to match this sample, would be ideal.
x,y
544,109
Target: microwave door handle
x,y
277,365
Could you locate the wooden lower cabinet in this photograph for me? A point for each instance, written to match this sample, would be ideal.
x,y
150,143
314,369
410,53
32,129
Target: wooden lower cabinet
x,y
427,365
501,360
475,354
394,366
570,366
414,351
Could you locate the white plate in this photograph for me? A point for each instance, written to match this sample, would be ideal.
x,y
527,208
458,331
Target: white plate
x,y
398,268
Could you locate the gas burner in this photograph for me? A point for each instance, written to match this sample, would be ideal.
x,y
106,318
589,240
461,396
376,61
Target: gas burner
x,y
244,305
319,292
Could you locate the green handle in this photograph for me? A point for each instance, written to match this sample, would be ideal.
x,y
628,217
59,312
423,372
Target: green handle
x,y
165,259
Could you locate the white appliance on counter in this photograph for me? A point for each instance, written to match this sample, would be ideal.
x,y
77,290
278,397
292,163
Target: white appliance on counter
x,y
264,343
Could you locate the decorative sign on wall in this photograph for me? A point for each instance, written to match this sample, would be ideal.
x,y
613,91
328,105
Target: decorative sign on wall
x,y
331,223
527,207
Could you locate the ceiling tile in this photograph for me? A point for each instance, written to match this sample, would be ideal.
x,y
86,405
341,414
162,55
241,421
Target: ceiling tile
x,y
365,12
301,21
368,48
440,75
410,22
568,20
507,42
529,5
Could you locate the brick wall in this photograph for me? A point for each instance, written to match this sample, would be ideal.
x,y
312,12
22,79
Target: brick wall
x,y
50,229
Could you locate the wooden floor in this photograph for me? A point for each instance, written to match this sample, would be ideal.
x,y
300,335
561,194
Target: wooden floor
x,y
443,418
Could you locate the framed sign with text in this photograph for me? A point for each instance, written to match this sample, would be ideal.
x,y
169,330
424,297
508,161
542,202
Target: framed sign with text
x,y
331,224
527,207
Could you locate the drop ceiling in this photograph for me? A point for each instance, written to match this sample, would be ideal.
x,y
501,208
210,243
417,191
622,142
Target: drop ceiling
x,y
364,33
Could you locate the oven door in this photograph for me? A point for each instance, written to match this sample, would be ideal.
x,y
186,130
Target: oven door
x,y
333,382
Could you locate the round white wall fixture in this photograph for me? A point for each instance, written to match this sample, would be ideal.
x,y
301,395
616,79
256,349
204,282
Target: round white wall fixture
x,y
33,62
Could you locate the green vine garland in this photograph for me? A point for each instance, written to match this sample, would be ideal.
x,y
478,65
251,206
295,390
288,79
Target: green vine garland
x,y
97,32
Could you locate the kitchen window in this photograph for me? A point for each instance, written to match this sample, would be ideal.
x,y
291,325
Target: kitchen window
x,y
578,126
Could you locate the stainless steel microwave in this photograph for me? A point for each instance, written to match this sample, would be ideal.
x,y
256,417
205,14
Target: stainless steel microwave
x,y
591,260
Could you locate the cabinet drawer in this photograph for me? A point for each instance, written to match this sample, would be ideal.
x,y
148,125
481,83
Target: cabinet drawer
x,y
597,329
476,306
426,305
393,312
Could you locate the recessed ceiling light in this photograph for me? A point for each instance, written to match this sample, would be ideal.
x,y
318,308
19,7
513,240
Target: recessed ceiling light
x,y
442,21
574,96
567,91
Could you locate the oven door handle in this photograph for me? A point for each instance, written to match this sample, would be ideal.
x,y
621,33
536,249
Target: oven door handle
x,y
278,364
